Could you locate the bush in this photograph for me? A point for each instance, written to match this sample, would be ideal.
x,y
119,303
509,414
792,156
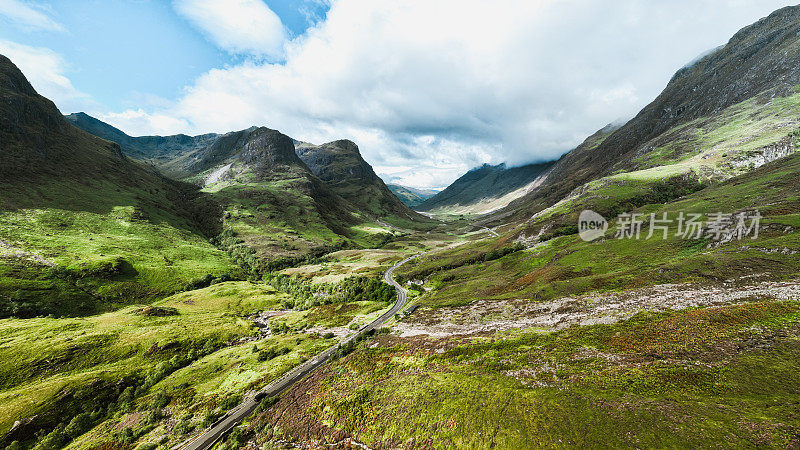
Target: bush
x,y
184,426
500,252
230,402
147,446
78,425
266,355
265,404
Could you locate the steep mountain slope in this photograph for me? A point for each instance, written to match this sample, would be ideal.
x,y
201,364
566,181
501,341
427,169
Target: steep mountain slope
x,y
275,206
340,165
485,189
411,196
83,228
758,64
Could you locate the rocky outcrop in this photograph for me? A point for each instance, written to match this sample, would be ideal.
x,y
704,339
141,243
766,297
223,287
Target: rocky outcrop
x,y
269,152
760,156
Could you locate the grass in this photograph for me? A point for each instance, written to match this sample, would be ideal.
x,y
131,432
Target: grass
x,y
687,378
564,265
196,350
86,249
45,357
711,144
339,265
282,224
329,316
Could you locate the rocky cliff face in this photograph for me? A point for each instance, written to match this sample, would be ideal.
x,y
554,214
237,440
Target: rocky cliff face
x,y
270,152
340,165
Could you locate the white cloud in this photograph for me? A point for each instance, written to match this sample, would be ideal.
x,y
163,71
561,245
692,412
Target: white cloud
x,y
138,122
28,15
45,70
238,26
440,86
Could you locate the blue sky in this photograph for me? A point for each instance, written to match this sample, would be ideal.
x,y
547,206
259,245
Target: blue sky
x,y
428,89
123,51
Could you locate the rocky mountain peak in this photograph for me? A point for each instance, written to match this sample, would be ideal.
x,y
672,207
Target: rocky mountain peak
x,y
269,150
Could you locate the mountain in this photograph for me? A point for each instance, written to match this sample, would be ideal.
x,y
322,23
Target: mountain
x,y
486,188
411,196
206,159
159,148
179,156
276,209
340,165
99,229
735,83
283,199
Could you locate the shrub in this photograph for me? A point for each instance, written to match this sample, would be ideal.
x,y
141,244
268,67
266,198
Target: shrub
x,y
266,355
500,252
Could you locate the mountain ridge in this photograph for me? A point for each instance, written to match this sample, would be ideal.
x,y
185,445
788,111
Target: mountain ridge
x,y
485,188
338,164
411,196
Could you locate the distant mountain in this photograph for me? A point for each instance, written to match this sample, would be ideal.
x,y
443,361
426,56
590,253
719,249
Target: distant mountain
x,y
411,196
145,147
731,84
178,156
486,188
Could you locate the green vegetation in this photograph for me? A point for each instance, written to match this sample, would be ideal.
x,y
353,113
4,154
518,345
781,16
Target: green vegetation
x,y
410,197
695,377
712,144
125,321
84,249
564,265
101,369
306,295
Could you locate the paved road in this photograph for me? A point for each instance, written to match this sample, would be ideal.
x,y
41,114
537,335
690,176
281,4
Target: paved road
x,y
233,417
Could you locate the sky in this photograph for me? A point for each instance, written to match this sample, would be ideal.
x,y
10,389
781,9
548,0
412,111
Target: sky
x,y
428,89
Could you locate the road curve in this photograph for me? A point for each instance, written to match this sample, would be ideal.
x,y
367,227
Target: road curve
x,y
224,424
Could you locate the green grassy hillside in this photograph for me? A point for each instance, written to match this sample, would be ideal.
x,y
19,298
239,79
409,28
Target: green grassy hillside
x,y
681,378
83,229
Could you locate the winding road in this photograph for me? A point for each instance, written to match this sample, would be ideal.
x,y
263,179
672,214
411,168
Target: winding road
x,y
224,424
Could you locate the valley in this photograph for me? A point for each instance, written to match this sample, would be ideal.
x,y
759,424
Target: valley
x,y
251,290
